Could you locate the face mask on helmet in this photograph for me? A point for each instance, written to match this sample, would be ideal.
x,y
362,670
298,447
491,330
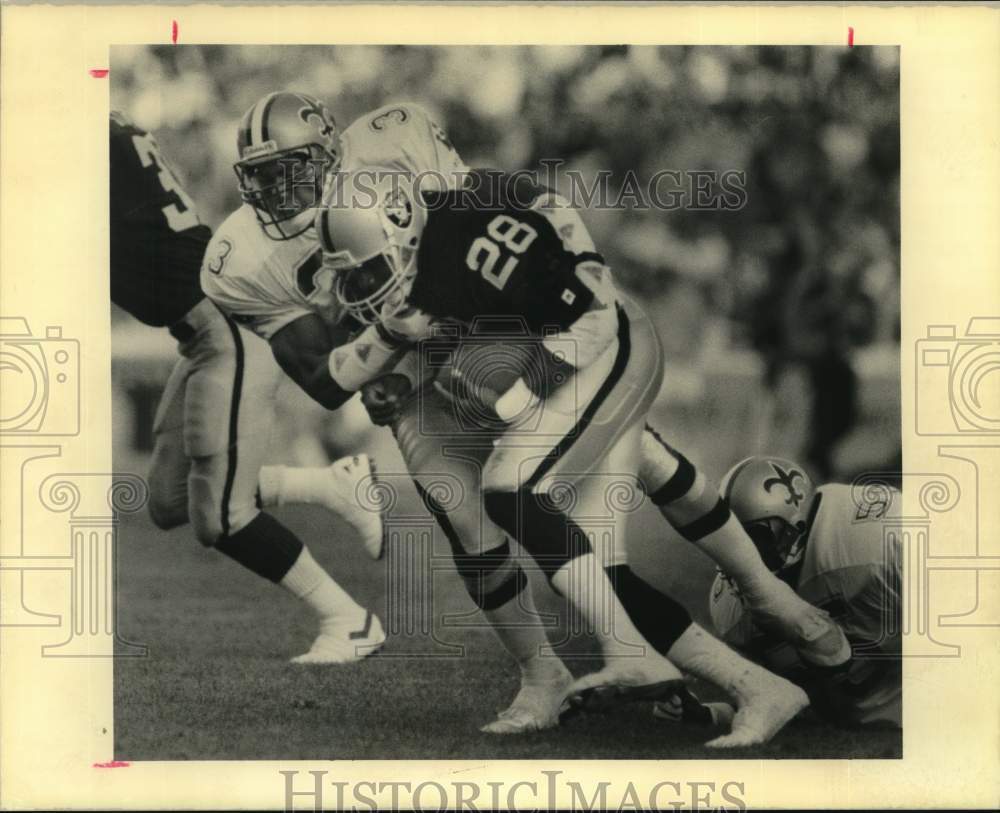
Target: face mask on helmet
x,y
377,288
283,186
289,145
778,543
369,230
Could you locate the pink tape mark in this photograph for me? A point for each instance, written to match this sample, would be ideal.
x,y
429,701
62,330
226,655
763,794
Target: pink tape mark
x,y
112,764
850,36
99,73
173,32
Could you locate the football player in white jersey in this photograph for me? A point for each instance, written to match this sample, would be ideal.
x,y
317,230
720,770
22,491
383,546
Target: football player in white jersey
x,y
209,445
830,545
263,269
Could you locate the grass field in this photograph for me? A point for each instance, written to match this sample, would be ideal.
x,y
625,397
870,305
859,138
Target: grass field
x,y
216,683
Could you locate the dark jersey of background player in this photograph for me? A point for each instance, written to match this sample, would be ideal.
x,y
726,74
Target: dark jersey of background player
x,y
157,240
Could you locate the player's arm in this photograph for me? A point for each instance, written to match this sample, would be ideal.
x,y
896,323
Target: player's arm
x,y
302,349
325,363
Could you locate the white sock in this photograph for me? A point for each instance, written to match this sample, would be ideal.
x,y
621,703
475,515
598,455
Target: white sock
x,y
583,581
737,555
708,658
307,580
520,630
293,484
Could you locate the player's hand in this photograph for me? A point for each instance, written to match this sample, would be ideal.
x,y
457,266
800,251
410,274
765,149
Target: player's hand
x,y
384,397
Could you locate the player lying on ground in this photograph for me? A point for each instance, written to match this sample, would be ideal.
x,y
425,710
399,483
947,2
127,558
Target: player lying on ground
x,y
577,424
210,438
831,547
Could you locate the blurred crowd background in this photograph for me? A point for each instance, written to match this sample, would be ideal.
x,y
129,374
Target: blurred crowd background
x,y
780,320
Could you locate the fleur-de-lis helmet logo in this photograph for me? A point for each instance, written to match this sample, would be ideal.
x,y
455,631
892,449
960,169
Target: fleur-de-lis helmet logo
x,y
786,479
325,123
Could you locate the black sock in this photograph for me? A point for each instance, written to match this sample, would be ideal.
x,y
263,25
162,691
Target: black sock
x,y
264,546
659,618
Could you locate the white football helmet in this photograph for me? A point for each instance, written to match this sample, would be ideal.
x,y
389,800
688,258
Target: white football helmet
x,y
771,498
369,228
288,145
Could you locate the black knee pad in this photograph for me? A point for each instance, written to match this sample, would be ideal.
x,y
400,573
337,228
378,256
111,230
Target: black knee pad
x,y
264,546
659,618
492,578
676,491
548,534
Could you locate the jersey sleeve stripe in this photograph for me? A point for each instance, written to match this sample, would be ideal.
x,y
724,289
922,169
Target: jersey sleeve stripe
x,y
325,238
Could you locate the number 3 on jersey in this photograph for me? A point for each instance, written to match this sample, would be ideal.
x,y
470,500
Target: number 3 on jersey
x,y
485,252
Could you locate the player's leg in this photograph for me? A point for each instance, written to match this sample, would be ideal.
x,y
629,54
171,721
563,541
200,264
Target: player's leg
x,y
337,486
228,406
765,702
429,437
577,427
168,470
696,510
340,487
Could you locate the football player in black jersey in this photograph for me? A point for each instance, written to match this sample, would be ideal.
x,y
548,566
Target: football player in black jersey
x,y
209,444
569,423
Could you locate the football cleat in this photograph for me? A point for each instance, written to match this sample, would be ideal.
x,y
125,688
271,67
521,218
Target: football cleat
x,y
765,703
763,714
345,641
352,479
536,707
623,682
685,707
